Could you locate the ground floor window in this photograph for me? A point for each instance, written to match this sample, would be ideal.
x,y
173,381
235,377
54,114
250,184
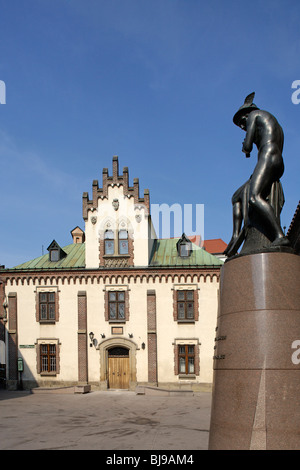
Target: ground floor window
x,y
185,305
48,352
186,359
48,357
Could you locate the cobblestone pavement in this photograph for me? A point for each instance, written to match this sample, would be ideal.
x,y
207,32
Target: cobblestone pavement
x,y
109,420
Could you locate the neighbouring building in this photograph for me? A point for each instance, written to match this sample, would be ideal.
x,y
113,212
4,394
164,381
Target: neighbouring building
x,y
116,308
293,232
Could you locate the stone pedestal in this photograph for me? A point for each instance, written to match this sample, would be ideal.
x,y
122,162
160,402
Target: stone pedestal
x,y
256,390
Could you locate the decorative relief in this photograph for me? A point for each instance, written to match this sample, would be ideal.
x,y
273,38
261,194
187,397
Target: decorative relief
x,y
93,220
138,218
116,262
115,204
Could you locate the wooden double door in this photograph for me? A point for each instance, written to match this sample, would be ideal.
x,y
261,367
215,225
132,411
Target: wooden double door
x,y
118,368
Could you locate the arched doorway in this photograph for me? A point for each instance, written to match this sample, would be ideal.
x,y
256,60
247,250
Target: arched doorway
x,y
118,368
110,363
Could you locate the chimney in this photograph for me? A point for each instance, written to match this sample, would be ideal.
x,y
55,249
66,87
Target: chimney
x,y
77,235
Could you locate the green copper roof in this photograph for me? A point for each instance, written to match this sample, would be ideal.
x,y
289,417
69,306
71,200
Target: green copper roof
x,y
75,259
165,253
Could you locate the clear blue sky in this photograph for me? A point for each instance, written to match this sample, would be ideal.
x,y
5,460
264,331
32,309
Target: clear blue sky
x,y
155,82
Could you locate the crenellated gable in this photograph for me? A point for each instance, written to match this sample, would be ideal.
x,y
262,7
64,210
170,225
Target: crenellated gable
x,y
115,180
118,227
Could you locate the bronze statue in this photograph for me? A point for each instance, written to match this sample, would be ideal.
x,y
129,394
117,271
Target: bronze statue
x,y
259,201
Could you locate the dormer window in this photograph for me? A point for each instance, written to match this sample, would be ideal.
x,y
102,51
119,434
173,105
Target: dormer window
x,y
55,252
184,246
184,250
54,255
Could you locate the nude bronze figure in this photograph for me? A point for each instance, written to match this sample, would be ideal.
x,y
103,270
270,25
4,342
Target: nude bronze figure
x,y
251,202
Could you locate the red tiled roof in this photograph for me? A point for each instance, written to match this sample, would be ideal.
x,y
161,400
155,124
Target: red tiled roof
x,y
216,245
196,239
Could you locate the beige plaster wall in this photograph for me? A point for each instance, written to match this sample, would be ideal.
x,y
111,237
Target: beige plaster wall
x,y
168,330
202,331
127,212
65,330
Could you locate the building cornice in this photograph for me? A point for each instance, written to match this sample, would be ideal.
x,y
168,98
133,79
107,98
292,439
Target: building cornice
x,y
105,275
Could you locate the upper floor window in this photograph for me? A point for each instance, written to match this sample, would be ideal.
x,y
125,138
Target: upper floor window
x,y
121,245
116,305
47,306
116,245
123,242
109,242
185,305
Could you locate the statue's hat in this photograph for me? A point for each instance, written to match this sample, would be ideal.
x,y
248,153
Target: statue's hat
x,y
246,108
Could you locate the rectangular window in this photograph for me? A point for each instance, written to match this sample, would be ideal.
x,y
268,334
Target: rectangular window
x,y
186,359
48,357
54,255
184,250
185,305
109,243
47,306
123,242
116,305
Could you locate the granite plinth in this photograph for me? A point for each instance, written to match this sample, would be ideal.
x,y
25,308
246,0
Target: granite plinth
x,y
256,399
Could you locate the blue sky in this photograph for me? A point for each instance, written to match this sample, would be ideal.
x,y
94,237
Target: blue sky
x,y
156,83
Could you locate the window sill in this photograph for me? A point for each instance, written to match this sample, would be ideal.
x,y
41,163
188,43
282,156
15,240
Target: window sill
x,y
47,322
185,321
187,376
48,374
116,256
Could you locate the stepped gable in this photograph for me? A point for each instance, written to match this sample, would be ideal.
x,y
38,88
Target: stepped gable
x,y
115,179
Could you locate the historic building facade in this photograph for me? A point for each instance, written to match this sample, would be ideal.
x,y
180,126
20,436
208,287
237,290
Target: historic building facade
x,y
116,308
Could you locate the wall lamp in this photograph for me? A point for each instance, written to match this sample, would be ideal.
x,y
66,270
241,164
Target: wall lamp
x,y
5,307
143,345
91,335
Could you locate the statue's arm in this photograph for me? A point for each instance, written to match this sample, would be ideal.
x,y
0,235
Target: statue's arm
x,y
248,142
